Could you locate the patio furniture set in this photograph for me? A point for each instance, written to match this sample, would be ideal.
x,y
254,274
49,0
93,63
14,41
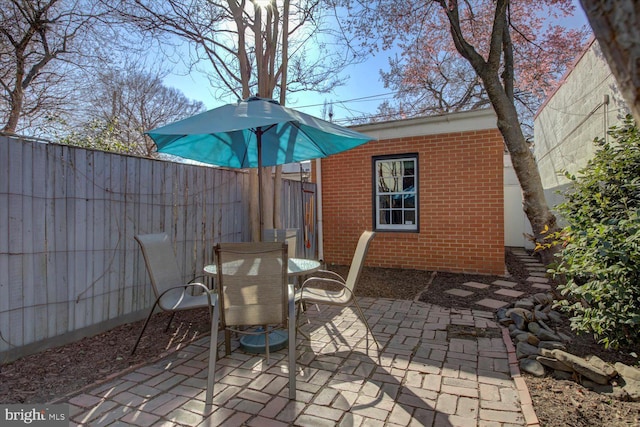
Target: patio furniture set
x,y
252,292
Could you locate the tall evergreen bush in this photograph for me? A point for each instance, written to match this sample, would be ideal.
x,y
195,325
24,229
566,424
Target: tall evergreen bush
x,y
599,265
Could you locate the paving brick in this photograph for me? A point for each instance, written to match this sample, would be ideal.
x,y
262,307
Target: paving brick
x,y
501,416
447,403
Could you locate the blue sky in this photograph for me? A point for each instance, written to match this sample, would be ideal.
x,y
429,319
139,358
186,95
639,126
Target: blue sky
x,y
361,94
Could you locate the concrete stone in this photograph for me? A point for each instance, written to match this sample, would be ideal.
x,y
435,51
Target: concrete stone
x,y
627,372
459,292
492,303
509,293
581,366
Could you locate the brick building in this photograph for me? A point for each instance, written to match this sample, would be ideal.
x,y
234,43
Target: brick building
x,y
438,203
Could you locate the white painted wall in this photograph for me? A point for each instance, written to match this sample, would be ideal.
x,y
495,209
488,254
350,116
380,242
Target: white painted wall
x,y
570,119
516,223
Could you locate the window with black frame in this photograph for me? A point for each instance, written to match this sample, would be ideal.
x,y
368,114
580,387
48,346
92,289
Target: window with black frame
x,y
396,192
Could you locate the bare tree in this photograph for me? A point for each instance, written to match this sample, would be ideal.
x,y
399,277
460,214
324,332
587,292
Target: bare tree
x,y
134,101
616,25
40,43
267,48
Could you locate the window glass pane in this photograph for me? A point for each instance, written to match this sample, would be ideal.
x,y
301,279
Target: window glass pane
x,y
408,183
385,215
396,216
409,167
410,201
409,217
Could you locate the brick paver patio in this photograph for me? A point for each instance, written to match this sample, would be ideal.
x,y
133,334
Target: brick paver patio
x,y
437,367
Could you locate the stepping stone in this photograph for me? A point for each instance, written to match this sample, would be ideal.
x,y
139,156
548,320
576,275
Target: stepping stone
x,y
538,269
537,279
492,303
538,274
505,283
459,292
509,293
476,285
541,286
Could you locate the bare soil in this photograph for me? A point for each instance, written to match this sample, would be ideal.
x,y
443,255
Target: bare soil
x,y
54,373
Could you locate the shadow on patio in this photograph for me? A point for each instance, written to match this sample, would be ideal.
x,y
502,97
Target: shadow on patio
x,y
430,372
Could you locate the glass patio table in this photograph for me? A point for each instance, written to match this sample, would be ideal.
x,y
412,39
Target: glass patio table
x,y
277,338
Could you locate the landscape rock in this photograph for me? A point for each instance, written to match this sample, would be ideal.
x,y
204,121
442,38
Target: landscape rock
x,y
555,316
540,315
532,366
540,347
543,298
553,363
552,345
627,372
533,327
581,366
524,349
602,365
562,375
632,388
518,320
527,314
546,335
524,303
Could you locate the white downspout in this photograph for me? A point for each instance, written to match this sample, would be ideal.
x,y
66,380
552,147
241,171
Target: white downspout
x,y
319,207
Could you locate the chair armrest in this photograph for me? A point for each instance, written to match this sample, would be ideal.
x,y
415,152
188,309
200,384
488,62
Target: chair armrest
x,y
324,280
211,294
202,276
330,273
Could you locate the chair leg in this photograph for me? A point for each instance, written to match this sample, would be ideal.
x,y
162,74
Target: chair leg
x,y
366,324
299,311
292,348
173,313
144,327
266,341
227,342
213,355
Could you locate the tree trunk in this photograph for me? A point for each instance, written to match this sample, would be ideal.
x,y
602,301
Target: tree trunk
x,y
500,95
615,25
524,165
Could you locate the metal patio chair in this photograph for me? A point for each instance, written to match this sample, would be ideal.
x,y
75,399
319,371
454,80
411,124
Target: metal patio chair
x,y
253,291
335,289
171,293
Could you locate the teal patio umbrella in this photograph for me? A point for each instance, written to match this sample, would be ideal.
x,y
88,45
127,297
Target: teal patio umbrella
x,y
254,133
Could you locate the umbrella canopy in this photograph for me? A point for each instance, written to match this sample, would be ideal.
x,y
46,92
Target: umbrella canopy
x,y
252,133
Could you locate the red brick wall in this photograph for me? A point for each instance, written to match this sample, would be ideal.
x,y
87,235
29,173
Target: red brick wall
x,y
461,226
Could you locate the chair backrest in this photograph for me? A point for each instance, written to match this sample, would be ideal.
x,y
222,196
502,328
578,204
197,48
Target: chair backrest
x,y
280,235
253,281
358,258
161,261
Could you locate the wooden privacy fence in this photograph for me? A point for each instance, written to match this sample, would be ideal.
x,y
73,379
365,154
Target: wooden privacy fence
x,y
69,266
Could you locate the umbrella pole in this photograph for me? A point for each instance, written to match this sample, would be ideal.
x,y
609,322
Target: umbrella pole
x,y
259,141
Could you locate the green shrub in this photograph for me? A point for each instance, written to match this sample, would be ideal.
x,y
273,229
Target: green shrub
x,y
599,265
